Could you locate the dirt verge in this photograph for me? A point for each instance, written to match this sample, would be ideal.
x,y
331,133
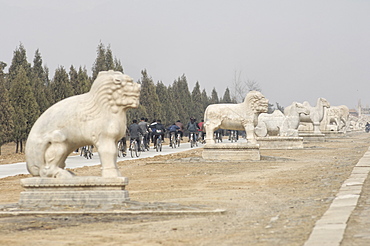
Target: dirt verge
x,y
275,201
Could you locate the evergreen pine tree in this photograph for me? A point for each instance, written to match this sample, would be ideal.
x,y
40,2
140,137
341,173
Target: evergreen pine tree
x,y
6,112
60,85
25,107
84,82
117,65
48,87
205,99
135,114
196,99
104,61
168,106
99,64
214,97
149,98
182,94
109,62
73,80
173,115
19,60
226,98
39,82
2,67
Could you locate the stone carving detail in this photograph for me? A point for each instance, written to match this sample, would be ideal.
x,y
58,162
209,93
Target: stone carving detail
x,y
316,114
94,118
241,116
278,124
357,123
335,119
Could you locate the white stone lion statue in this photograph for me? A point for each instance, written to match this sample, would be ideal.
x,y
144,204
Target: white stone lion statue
x,y
278,124
241,116
95,118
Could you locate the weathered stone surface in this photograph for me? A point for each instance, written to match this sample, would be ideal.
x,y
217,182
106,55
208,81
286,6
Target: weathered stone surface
x,y
231,151
279,124
333,134
316,114
280,142
83,192
335,119
312,137
242,116
95,118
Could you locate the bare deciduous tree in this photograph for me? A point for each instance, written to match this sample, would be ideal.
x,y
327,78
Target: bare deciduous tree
x,y
240,87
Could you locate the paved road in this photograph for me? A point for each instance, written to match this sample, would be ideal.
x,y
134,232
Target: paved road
x,y
79,161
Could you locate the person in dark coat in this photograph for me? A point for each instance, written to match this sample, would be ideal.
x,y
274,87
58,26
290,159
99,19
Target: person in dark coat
x,y
158,130
134,132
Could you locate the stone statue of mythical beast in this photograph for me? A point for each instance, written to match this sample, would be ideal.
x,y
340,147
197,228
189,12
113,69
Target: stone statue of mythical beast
x,y
315,116
241,116
335,119
94,118
278,124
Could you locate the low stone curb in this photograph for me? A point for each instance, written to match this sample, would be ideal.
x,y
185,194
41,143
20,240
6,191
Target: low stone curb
x,y
128,208
140,212
329,230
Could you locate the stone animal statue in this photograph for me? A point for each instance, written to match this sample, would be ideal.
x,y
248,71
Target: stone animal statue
x,y
316,114
241,116
278,124
335,119
97,118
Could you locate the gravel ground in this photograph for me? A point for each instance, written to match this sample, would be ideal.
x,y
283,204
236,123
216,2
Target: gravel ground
x,y
275,201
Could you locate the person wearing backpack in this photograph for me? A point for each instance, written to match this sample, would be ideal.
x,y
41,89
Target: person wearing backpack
x,y
193,127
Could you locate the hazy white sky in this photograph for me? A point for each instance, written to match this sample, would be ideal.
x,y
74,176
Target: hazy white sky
x,y
296,50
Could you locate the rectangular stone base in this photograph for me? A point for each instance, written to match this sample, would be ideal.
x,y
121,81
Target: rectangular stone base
x,y
276,142
232,151
312,137
333,134
82,192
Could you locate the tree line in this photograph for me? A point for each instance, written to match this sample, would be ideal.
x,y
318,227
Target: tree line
x,y
26,91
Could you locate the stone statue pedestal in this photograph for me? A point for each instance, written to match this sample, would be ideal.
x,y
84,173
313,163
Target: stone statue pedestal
x,y
232,151
312,137
333,134
276,142
78,192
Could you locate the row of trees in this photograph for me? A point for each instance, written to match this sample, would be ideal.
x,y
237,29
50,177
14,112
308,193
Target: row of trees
x,y
26,91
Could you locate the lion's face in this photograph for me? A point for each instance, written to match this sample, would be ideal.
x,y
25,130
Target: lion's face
x,y
258,102
126,92
117,89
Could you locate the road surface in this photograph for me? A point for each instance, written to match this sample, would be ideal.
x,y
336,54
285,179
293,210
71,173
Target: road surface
x,y
79,161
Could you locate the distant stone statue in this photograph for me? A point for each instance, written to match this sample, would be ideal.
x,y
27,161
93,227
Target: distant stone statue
x,y
316,114
278,124
94,118
335,119
241,116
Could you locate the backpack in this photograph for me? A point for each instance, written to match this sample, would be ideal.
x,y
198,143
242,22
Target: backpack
x,y
192,126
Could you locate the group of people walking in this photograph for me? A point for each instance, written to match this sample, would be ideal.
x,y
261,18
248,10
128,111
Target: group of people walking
x,y
150,132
